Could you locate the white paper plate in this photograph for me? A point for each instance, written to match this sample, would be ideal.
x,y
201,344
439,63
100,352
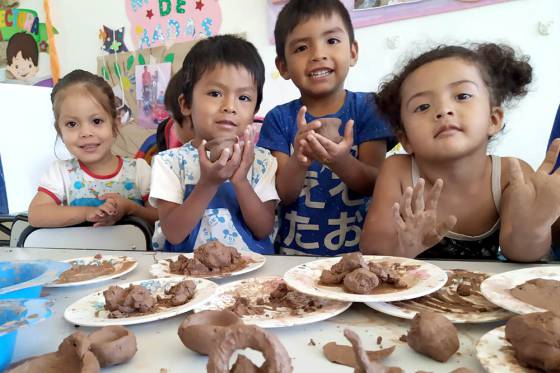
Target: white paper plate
x,y
90,310
119,262
431,302
497,288
496,354
305,278
161,268
260,287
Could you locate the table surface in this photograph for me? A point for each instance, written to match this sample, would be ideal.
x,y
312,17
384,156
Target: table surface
x,y
159,347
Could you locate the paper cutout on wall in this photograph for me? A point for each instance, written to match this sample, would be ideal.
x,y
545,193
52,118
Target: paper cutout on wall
x,y
151,83
155,22
113,40
25,37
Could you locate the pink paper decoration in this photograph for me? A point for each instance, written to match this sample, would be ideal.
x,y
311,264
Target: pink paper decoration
x,y
156,22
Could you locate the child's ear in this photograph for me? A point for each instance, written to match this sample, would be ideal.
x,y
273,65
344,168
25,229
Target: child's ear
x,y
282,67
353,53
185,110
496,120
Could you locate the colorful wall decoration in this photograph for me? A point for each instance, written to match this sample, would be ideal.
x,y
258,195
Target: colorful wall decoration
x,y
26,37
156,22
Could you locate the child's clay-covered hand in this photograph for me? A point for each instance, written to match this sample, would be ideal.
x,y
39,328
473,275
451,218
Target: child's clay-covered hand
x,y
536,197
417,224
302,151
247,156
329,152
215,173
123,205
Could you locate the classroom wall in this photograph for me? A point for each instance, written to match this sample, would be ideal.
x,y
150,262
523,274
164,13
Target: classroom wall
x,y
515,22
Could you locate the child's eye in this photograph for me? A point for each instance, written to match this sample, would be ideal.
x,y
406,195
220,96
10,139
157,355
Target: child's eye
x,y
300,48
245,98
98,121
333,41
463,96
71,124
214,94
421,108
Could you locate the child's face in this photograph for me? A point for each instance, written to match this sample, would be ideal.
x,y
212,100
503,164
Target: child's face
x,y
446,110
318,56
85,127
21,68
223,103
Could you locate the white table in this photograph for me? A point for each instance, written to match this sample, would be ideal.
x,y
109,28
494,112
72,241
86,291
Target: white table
x,y
159,347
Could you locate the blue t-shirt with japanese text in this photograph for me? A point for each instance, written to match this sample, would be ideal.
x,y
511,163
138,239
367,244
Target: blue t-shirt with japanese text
x,y
327,217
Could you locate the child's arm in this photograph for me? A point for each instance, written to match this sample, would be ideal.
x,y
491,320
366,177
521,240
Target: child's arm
x,y
359,174
402,224
44,212
529,208
258,215
292,169
178,220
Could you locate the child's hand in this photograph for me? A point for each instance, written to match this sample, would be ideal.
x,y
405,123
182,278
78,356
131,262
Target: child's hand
x,y
302,151
215,173
123,205
537,197
102,215
417,225
248,156
329,152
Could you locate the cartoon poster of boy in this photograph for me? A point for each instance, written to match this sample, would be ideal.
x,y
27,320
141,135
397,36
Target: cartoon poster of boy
x,y
22,56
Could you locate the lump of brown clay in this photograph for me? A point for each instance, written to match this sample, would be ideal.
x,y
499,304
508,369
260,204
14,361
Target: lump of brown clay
x,y
344,355
181,292
330,129
361,281
113,345
121,302
73,356
535,338
214,254
199,331
239,337
349,262
363,363
217,145
462,370
433,335
329,277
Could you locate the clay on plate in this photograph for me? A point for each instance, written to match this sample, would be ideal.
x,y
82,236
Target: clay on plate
x,y
113,345
535,338
238,337
199,331
433,335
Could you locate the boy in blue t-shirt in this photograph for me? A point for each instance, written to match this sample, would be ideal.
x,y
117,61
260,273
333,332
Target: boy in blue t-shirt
x,y
324,185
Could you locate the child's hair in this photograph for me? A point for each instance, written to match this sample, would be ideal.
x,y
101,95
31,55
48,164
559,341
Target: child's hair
x,y
505,75
171,99
296,12
24,43
95,85
221,50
